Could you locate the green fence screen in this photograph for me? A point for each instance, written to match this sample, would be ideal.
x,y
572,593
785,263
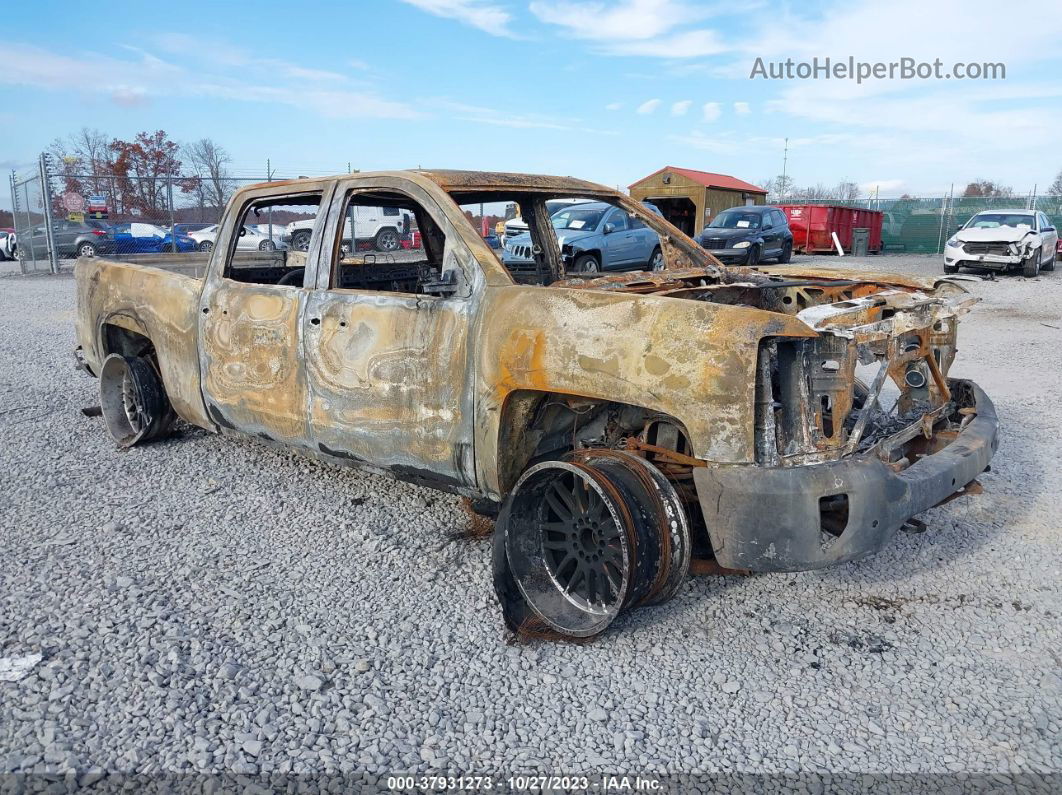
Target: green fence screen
x,y
921,226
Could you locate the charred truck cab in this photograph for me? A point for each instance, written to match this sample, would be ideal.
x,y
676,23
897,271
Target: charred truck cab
x,y
621,427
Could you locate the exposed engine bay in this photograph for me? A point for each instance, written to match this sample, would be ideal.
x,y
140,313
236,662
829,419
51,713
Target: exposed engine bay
x,y
876,369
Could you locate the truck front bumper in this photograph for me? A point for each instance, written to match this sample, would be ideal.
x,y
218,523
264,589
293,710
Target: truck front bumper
x,y
770,519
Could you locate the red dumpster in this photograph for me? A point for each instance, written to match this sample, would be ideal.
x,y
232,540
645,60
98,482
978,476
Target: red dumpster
x,y
813,225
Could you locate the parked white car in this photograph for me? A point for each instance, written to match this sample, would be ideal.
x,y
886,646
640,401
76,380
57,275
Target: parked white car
x,y
1003,240
384,227
7,244
252,237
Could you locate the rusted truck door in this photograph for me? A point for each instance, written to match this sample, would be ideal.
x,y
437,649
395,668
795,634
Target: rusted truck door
x,y
388,366
250,356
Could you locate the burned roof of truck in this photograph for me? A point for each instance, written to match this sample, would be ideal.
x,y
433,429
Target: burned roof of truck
x,y
462,181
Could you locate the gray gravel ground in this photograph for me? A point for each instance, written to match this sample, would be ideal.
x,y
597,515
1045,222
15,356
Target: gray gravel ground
x,y
211,604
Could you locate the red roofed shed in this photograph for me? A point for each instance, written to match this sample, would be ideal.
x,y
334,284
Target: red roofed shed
x,y
690,199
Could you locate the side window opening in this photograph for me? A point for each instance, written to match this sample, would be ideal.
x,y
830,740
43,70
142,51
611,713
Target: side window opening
x,y
272,241
387,242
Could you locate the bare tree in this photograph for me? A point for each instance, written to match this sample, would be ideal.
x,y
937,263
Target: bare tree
x,y
1056,187
779,188
815,192
210,162
846,191
84,161
987,188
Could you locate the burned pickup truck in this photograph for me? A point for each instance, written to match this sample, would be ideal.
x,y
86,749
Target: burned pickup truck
x,y
621,426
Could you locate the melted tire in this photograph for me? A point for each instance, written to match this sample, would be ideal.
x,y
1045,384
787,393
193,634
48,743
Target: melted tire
x,y
133,400
672,531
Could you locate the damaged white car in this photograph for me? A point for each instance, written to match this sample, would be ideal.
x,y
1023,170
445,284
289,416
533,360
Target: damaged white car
x,y
1003,240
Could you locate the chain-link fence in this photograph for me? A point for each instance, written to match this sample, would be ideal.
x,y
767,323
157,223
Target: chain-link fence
x,y
921,226
61,213
31,206
121,213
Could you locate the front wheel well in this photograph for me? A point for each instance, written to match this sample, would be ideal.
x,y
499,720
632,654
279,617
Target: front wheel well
x,y
538,426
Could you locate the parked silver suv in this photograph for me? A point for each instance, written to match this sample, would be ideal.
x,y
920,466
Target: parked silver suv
x,y
594,236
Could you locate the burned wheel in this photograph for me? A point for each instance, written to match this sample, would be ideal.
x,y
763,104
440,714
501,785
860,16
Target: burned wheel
x,y
133,400
566,547
655,504
585,539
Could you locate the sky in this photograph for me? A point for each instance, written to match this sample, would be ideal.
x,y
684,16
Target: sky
x,y
607,91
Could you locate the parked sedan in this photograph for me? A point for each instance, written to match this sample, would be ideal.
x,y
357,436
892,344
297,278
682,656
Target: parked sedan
x,y
72,239
593,236
1003,240
252,237
749,235
140,238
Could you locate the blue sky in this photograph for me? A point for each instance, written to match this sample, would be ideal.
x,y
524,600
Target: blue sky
x,y
609,91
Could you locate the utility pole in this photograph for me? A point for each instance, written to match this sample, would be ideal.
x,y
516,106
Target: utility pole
x,y
785,163
269,211
46,202
945,220
169,200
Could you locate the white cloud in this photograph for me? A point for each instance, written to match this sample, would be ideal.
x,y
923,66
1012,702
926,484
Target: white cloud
x,y
691,44
881,186
632,19
711,111
614,106
722,144
649,106
128,97
742,108
222,53
635,27
129,83
681,108
480,14
500,118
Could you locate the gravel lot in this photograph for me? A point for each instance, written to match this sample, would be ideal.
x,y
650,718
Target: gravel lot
x,y
210,604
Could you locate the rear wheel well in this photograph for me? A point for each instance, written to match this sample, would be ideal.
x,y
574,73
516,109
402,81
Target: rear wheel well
x,y
538,426
117,339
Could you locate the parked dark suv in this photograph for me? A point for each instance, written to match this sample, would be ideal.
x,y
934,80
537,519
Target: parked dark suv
x,y
749,235
75,239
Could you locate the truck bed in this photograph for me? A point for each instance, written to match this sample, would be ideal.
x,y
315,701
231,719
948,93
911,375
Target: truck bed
x,y
151,297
